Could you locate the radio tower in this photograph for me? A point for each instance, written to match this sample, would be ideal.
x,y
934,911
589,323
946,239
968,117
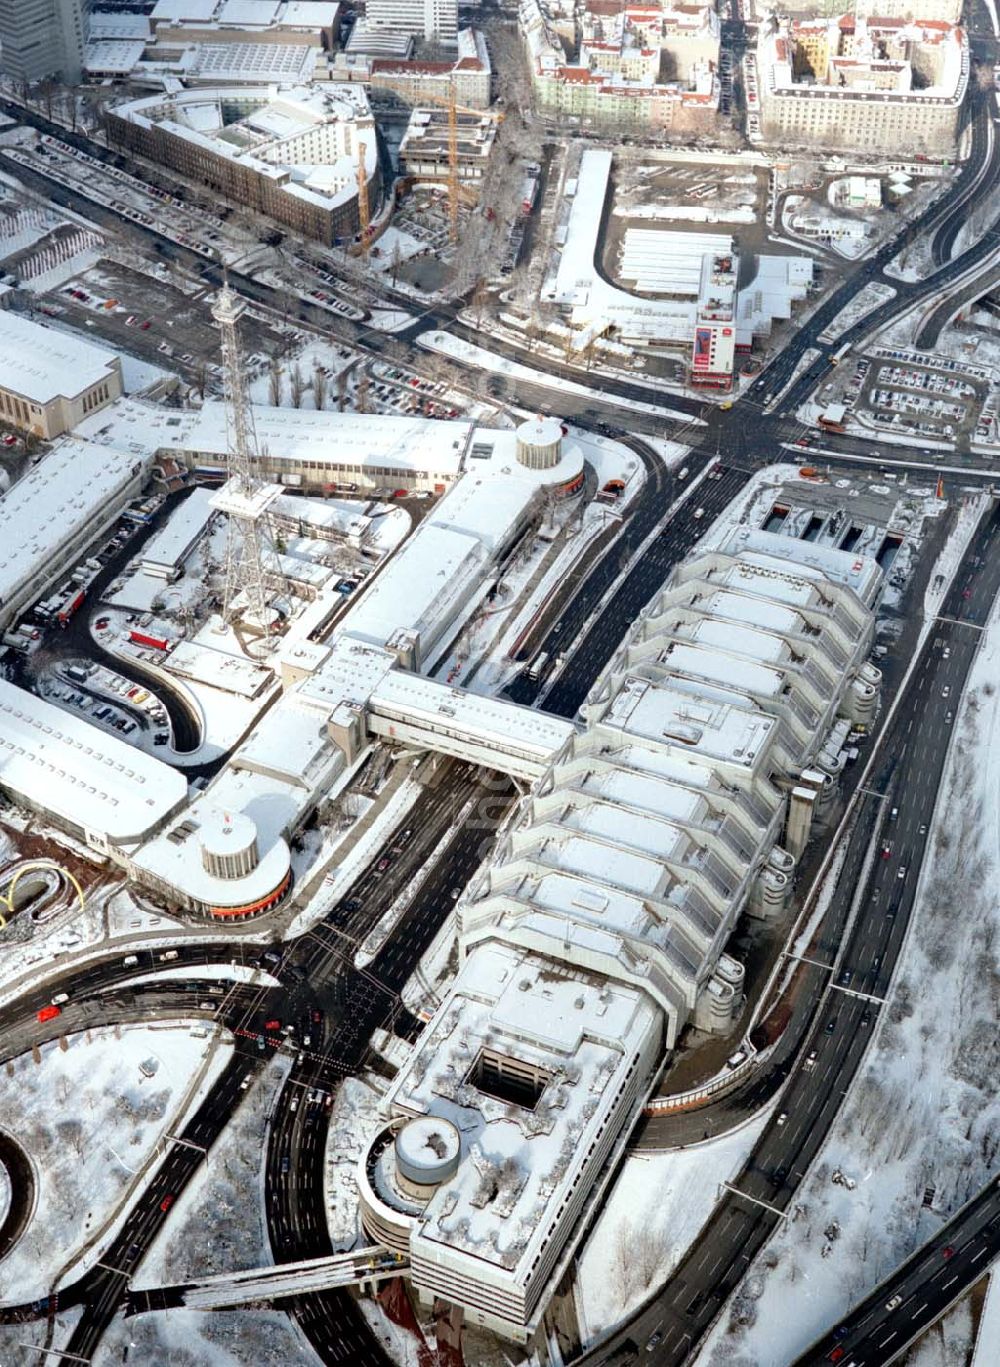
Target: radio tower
x,y
253,574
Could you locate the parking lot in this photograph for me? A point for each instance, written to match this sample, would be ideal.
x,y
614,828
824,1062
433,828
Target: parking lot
x,y
149,317
928,395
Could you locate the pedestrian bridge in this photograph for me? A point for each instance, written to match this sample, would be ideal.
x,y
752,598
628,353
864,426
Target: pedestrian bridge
x,y
413,710
230,1289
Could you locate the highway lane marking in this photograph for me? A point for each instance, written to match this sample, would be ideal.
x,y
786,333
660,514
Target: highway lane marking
x,y
889,1339
919,1310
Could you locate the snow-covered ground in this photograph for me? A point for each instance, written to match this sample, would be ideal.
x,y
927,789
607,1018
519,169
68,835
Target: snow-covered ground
x,y
218,1338
638,1240
354,1121
924,1108
90,1121
217,1222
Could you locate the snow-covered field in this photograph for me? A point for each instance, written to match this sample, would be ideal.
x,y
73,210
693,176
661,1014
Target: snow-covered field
x,y
217,1223
90,1121
924,1109
654,1211
219,1338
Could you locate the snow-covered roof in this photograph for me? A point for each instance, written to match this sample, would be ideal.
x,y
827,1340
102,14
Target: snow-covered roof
x,y
724,727
183,11
382,446
267,128
57,762
174,857
518,1164
168,547
42,363
256,13
71,486
808,559
699,266
112,55
491,722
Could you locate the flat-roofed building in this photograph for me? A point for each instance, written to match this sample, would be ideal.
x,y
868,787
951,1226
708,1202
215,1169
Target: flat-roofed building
x,y
40,38
51,515
97,787
863,85
50,380
291,153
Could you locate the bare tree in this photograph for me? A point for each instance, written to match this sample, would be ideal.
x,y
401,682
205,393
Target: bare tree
x,y
341,390
296,384
319,389
274,384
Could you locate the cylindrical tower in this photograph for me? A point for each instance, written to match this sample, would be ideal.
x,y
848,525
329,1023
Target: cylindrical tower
x,y
228,844
539,443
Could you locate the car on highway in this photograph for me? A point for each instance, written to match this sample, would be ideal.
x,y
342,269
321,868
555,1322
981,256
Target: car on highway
x,y
286,1163
811,1057
866,1017
845,977
837,1353
947,1252
902,873
167,1202
779,1175
894,1301
246,1082
886,848
781,1118
946,691
48,1013
653,1340
274,1024
831,1025
947,719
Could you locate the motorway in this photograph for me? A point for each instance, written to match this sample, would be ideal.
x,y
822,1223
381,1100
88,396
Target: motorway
x,y
901,1308
874,898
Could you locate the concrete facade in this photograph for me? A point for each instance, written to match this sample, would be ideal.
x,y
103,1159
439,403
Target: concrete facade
x,y
40,38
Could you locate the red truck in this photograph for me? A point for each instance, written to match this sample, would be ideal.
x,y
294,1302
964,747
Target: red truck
x,y
142,638
70,607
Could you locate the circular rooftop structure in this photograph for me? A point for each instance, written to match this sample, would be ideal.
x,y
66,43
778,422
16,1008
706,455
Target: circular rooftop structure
x,y
228,844
427,1151
539,443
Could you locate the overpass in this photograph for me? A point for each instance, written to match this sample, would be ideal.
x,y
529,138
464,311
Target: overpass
x,y
413,710
230,1289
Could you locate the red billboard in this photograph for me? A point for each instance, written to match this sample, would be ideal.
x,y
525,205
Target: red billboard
x,y
702,348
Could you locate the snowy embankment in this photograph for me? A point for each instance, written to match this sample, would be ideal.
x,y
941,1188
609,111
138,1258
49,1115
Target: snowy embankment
x,y
90,1119
924,1110
637,1242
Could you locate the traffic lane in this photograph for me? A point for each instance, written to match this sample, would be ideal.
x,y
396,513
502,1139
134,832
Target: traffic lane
x,y
908,1302
598,641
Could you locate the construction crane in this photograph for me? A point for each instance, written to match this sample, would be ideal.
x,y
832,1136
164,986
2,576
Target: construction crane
x,y
450,102
364,209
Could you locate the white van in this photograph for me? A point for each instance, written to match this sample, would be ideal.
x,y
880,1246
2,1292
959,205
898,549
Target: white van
x,y
682,473
130,961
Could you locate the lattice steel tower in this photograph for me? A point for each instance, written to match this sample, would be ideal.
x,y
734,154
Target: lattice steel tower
x,y
253,574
